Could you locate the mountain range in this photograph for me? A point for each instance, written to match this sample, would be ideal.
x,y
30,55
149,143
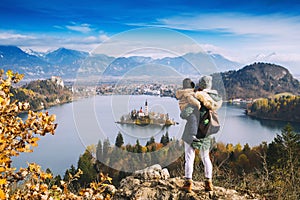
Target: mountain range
x,y
252,81
67,62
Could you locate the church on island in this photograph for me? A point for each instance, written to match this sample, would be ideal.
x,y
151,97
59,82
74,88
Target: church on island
x,y
144,117
140,114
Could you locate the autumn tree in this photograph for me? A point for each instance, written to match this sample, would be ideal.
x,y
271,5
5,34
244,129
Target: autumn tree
x,y
18,136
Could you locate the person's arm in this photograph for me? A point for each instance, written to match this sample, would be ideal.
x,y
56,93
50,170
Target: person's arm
x,y
190,98
194,101
207,101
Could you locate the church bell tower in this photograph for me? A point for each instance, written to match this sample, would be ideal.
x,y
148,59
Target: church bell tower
x,y
146,109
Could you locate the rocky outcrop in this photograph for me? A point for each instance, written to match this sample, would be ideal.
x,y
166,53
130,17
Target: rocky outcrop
x,y
155,183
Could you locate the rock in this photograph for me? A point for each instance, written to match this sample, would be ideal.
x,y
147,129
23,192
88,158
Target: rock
x,y
165,174
155,183
152,172
111,189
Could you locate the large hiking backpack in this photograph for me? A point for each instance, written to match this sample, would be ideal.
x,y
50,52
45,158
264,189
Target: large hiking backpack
x,y
208,123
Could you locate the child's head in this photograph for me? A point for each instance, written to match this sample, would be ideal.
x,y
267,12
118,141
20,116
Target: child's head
x,y
187,83
205,82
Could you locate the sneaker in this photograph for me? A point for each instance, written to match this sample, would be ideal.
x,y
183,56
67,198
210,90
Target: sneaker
x,y
208,185
187,185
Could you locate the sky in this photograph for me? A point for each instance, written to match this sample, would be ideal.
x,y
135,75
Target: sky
x,y
243,31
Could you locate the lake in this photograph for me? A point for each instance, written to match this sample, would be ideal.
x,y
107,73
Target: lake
x,y
85,122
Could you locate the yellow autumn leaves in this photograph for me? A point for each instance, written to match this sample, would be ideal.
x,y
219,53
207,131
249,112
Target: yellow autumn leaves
x,y
17,136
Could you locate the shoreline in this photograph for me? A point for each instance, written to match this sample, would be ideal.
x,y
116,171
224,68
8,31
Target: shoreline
x,y
269,118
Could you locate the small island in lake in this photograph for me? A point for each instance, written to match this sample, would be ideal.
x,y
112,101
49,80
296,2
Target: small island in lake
x,y
144,117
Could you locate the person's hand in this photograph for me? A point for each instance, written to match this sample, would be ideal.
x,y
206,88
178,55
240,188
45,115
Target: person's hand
x,y
195,139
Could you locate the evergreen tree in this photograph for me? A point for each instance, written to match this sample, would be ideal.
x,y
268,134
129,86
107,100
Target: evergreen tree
x,y
57,180
151,141
106,150
48,171
99,151
285,148
283,157
290,142
72,171
74,185
86,164
165,139
138,147
119,140
162,139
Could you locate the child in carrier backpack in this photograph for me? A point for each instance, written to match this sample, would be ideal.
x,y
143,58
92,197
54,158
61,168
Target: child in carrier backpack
x,y
186,97
190,102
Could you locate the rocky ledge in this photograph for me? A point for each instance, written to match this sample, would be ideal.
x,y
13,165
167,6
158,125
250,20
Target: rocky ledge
x,y
155,183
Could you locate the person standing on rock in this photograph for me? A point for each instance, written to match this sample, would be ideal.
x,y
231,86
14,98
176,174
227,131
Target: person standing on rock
x,y
210,100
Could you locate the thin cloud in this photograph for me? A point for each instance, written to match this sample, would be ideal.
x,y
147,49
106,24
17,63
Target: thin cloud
x,y
236,24
82,28
14,36
45,43
248,34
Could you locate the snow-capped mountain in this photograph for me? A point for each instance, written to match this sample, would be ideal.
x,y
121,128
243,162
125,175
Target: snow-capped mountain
x,y
61,62
12,57
63,56
34,53
67,63
264,58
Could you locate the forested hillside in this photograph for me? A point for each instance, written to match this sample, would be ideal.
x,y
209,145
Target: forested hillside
x,y
272,170
284,107
42,94
259,80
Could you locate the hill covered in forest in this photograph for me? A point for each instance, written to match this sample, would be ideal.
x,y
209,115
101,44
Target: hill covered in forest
x,y
259,80
283,107
42,94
